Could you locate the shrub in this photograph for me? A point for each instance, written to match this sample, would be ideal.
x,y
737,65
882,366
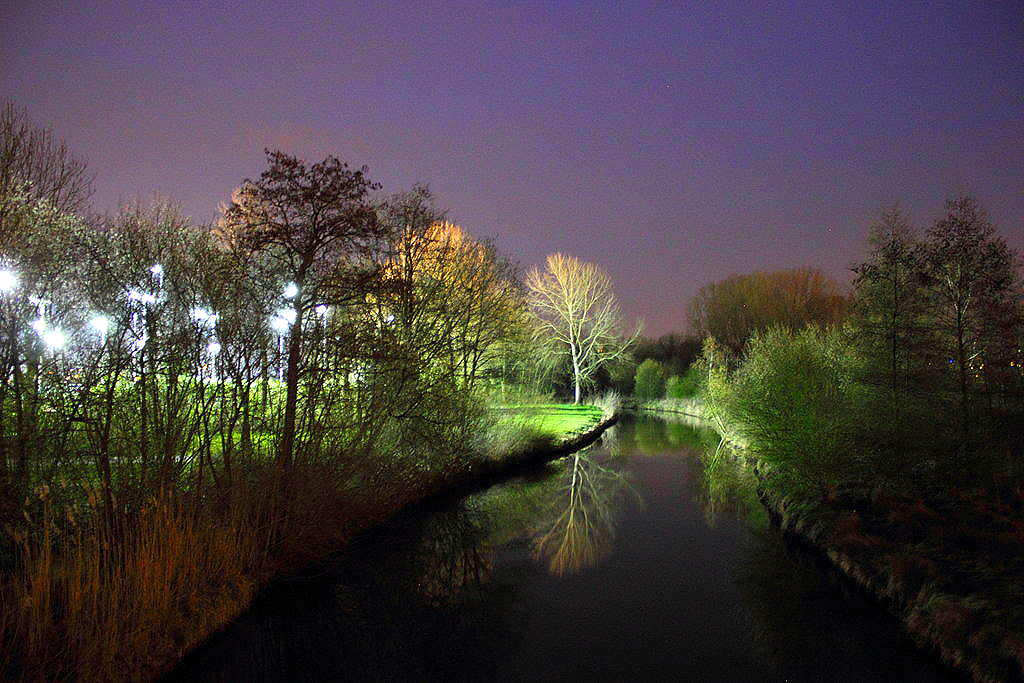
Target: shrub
x,y
791,401
650,380
684,386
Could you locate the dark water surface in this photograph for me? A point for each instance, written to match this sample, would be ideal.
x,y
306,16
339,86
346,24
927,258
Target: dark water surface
x,y
602,566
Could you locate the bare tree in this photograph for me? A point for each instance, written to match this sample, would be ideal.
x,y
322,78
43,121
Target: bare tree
x,y
583,515
973,294
733,309
29,156
575,308
887,303
316,226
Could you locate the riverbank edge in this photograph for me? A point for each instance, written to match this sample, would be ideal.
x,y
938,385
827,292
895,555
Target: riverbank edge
x,y
477,475
918,621
691,407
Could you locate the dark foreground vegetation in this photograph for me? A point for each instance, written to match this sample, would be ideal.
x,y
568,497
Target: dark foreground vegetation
x,y
188,412
895,441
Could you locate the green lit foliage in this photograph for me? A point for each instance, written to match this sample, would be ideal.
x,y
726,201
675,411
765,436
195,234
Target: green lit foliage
x,y
684,386
186,451
650,380
789,402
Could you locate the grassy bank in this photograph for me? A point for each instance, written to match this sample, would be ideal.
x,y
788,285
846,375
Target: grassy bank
x,y
950,564
918,500
692,406
126,603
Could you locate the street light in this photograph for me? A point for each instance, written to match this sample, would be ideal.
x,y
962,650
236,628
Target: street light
x,y
54,340
8,281
101,324
204,316
158,271
280,325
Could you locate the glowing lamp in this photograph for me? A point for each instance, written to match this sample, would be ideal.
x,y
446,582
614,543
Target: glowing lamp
x,y
279,324
8,281
54,339
100,323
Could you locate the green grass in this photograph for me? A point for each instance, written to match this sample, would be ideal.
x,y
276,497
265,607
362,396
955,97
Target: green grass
x,y
554,420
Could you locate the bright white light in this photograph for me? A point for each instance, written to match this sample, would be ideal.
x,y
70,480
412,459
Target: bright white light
x,y
288,314
321,309
8,281
201,314
140,343
148,299
291,290
390,318
54,339
135,295
279,324
213,348
157,269
39,325
100,323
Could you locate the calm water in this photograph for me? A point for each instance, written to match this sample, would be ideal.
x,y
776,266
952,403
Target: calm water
x,y
602,566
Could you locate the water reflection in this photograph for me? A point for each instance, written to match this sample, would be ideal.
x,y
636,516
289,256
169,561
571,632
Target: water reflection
x,y
493,586
578,529
804,620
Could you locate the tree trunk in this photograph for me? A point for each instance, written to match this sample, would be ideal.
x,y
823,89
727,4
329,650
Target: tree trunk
x,y
576,376
286,453
962,360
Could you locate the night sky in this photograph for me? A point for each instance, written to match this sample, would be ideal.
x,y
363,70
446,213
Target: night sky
x,y
673,145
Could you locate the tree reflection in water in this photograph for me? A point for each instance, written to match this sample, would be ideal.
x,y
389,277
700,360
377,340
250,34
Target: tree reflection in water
x,y
579,529
803,620
416,602
460,591
815,628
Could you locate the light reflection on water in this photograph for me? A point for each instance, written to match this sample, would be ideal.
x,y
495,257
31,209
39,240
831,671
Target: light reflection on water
x,y
626,562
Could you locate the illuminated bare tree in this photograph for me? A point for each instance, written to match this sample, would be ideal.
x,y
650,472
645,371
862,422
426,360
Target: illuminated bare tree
x,y
575,309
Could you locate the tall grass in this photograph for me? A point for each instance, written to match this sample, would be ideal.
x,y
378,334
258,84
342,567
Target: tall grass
x,y
98,604
610,402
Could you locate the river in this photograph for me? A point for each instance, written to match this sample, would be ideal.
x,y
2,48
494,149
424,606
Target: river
x,y
609,565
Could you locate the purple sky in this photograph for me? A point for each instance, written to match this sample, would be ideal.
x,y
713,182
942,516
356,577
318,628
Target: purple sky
x,y
672,145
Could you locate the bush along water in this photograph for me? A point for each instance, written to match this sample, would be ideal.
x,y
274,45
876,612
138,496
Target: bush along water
x,y
934,530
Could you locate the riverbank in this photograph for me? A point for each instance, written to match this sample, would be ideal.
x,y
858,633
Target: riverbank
x,y
558,431
692,406
89,602
950,565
